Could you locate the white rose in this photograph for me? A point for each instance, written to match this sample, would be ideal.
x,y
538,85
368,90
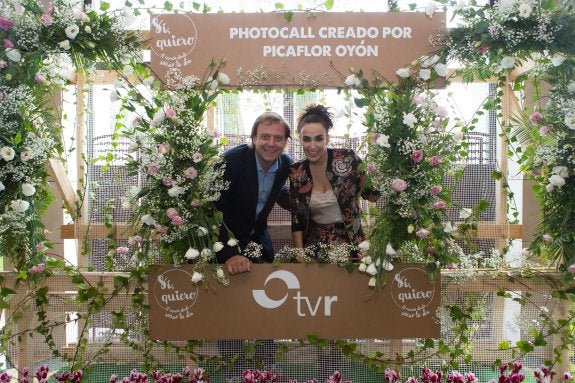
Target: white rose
x,y
202,231
159,116
386,265
147,219
409,120
403,72
175,191
364,246
2,187
88,29
28,189
465,213
362,267
196,277
223,78
425,74
461,4
525,10
448,228
220,272
562,171
427,61
13,54
352,81
382,140
372,282
557,59
232,242
19,206
367,260
441,69
64,44
430,8
148,81
557,180
570,120
217,246
206,253
371,269
128,70
213,85
571,87
389,250
192,253
72,31
7,153
507,62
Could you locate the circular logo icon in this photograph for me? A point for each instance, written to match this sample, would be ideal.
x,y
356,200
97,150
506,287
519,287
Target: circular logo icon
x,y
173,38
175,292
412,292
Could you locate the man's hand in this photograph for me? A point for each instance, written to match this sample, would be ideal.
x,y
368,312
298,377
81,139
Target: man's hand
x,y
238,264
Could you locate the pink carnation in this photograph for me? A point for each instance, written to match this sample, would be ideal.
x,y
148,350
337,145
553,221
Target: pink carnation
x,y
122,250
177,220
544,130
436,189
191,173
398,185
422,233
536,118
164,148
8,43
170,113
417,100
160,229
37,269
153,169
417,156
438,205
435,160
5,24
46,20
167,181
371,169
171,212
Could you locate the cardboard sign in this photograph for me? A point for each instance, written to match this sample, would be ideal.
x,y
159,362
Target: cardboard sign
x,y
266,50
293,301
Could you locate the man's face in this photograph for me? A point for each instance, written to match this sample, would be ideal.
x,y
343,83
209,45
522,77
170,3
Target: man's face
x,y
269,142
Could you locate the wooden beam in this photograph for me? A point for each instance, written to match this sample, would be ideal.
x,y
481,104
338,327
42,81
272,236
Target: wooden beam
x,y
58,172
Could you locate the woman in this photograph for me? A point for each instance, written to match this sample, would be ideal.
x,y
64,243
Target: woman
x,y
325,187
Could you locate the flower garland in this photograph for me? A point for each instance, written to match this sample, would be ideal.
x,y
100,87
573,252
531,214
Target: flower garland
x,y
181,165
412,146
41,48
493,41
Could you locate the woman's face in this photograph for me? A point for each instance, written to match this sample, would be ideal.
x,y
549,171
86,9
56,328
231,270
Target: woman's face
x,y
314,139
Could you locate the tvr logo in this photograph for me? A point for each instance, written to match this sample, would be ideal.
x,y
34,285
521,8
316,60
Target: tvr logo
x,y
305,304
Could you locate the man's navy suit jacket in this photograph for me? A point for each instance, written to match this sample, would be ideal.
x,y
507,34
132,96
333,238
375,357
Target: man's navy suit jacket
x,y
238,203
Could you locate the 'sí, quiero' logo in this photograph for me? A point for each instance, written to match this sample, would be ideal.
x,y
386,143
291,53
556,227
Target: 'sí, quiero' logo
x,y
412,292
175,293
292,283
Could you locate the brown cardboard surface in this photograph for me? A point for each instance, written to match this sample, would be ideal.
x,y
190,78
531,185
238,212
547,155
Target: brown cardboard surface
x,y
325,300
264,49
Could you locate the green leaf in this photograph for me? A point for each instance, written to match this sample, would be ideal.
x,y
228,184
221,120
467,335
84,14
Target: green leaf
x,y
104,6
328,4
503,345
279,5
288,15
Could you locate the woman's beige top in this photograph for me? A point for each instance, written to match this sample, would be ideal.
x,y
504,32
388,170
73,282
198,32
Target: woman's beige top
x,y
323,207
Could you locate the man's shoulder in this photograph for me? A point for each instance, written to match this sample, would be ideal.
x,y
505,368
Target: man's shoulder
x,y
237,152
286,159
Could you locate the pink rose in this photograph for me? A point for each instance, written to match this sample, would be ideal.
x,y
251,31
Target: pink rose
x,y
40,79
536,118
191,173
482,49
438,205
5,24
216,133
398,185
442,111
170,113
177,220
121,250
3,64
8,43
436,189
167,181
37,269
46,20
153,169
371,169
435,160
544,130
196,203
160,229
171,212
422,233
417,156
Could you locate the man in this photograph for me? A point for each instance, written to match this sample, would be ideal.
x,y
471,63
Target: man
x,y
256,174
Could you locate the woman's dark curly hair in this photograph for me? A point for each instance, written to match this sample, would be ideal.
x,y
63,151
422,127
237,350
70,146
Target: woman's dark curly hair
x,y
315,113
